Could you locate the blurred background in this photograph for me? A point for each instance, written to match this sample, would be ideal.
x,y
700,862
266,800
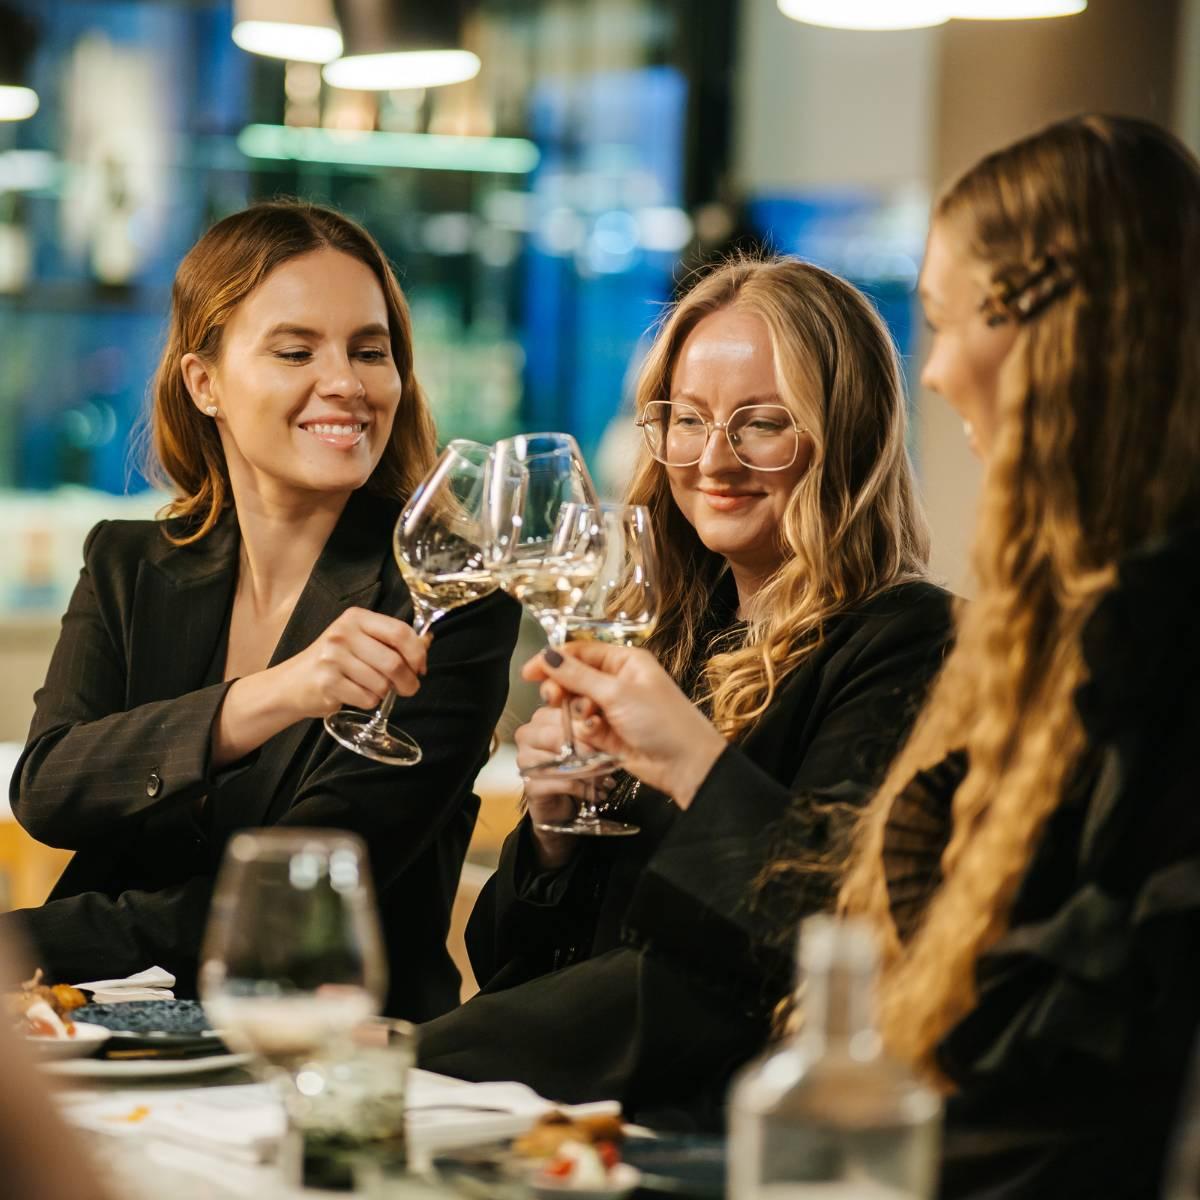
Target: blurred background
x,y
544,175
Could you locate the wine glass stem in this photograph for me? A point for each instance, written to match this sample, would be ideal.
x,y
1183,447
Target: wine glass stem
x,y
588,810
421,621
556,635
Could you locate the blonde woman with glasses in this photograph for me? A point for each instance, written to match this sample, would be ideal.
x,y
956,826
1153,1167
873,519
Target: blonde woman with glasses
x,y
796,638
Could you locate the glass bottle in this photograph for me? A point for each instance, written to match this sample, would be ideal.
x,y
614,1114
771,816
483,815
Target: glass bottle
x,y
826,1113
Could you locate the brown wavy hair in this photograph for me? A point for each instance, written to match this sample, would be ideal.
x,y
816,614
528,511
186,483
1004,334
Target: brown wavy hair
x,y
853,526
1097,449
216,275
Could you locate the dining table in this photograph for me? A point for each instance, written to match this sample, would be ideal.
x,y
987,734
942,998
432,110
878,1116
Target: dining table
x,y
145,1159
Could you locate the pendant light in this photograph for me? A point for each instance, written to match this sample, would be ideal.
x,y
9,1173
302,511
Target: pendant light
x,y
17,100
298,30
1015,10
394,44
868,14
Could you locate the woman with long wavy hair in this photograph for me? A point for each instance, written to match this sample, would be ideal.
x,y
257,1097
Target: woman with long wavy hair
x,y
1033,858
798,633
199,652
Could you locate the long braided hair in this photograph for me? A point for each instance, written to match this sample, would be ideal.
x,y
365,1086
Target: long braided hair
x,y
1090,232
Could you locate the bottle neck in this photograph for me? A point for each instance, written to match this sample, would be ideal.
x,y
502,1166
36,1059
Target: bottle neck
x,y
838,1004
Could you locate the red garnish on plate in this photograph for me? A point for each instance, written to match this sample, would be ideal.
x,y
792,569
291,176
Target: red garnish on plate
x,y
609,1154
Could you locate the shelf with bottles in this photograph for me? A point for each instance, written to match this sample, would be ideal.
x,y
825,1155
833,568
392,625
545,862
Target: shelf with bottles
x,y
44,534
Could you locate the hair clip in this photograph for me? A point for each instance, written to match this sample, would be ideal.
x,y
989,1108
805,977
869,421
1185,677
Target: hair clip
x,y
1047,278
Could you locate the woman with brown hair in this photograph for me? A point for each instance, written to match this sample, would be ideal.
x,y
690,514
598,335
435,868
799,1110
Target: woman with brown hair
x,y
797,635
1033,858
200,652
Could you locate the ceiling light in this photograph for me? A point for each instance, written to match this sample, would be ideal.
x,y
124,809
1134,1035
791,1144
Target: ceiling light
x,y
428,151
868,14
17,103
395,44
17,44
1012,10
299,30
402,69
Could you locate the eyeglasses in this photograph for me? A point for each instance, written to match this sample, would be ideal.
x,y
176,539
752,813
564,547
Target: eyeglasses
x,y
763,437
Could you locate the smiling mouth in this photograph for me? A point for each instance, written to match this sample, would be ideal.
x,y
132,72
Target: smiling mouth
x,y
727,500
340,433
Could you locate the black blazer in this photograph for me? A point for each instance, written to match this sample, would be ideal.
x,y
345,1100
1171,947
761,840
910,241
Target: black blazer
x,y
647,969
117,761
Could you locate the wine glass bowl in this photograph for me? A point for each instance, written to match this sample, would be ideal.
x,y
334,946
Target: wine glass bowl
x,y
620,605
546,545
293,957
438,543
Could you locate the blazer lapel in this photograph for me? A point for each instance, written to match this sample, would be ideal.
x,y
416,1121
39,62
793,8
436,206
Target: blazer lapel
x,y
348,573
181,602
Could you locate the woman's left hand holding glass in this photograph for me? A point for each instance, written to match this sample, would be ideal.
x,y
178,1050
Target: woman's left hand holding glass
x,y
636,713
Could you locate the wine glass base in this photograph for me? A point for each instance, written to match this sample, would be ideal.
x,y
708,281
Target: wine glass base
x,y
584,827
387,744
572,766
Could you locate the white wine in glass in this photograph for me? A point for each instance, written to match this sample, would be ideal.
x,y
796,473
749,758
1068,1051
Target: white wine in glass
x,y
546,544
619,606
438,544
616,632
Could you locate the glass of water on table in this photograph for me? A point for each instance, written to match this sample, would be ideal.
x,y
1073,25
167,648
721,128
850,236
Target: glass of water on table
x,y
292,965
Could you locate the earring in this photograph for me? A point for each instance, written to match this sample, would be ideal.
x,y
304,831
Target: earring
x,y
211,409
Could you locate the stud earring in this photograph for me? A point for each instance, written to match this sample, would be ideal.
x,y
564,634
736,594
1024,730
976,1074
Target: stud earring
x,y
211,409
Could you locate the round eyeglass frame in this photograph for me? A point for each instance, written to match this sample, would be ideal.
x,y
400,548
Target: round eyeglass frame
x,y
711,427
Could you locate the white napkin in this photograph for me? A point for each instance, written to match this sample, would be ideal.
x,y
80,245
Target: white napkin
x,y
154,983
445,1113
243,1122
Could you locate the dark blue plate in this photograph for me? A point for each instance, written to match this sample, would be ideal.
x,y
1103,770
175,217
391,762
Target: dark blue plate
x,y
147,1016
685,1165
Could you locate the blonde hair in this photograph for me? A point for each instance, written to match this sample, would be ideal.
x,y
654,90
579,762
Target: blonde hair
x,y
1091,232
853,526
215,276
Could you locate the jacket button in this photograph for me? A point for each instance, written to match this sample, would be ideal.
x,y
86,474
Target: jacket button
x,y
153,783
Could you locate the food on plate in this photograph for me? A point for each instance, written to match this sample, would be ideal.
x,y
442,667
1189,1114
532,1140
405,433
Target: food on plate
x,y
555,1129
42,1011
577,1154
593,1169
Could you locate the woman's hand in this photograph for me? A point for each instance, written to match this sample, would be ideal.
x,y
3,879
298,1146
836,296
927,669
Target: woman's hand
x,y
355,661
550,800
637,713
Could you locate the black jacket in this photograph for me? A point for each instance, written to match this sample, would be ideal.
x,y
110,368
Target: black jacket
x,y
117,759
1071,1064
646,970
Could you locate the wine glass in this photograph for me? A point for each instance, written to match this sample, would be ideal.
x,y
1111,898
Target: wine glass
x,y
620,605
545,544
438,544
292,958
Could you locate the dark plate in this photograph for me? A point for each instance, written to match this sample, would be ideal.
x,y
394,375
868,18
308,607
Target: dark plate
x,y
687,1167
690,1166
154,1029
147,1016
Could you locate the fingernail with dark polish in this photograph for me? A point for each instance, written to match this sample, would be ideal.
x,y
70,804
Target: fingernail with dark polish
x,y
553,657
